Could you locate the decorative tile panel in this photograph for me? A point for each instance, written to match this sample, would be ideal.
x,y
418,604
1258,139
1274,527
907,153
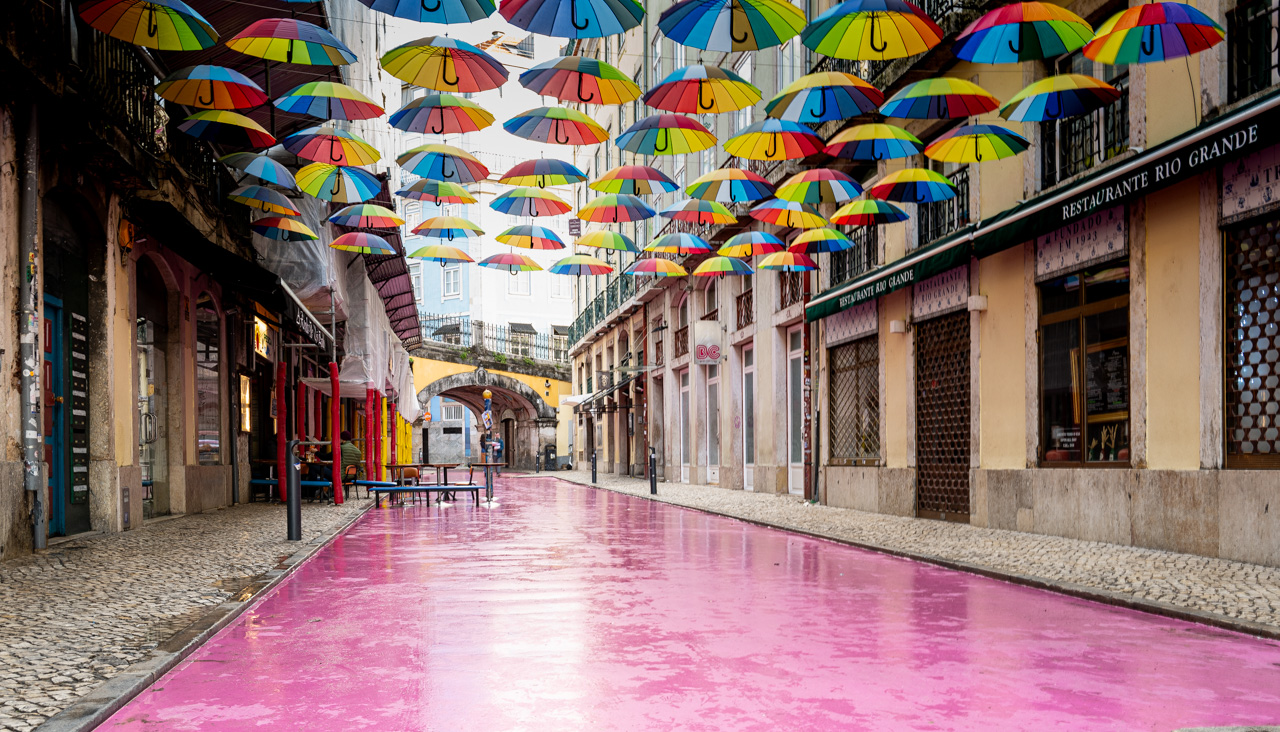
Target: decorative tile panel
x,y
1096,238
944,293
857,321
1251,183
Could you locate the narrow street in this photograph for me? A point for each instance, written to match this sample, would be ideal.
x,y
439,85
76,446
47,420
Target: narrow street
x,y
567,607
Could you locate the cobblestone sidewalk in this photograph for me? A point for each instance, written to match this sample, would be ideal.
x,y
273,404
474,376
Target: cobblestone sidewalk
x,y
1225,588
82,612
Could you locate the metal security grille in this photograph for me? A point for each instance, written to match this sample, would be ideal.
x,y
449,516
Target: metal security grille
x,y
1253,59
1252,349
942,417
855,402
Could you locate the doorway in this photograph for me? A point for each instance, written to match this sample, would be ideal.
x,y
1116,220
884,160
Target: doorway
x,y
55,427
749,418
153,387
942,417
713,424
795,411
686,429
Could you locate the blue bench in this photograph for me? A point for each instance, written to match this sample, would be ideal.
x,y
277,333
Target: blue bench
x,y
274,483
380,488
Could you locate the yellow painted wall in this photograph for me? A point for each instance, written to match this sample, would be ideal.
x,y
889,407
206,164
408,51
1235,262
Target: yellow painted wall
x,y
1173,332
894,307
1000,182
1002,361
1171,100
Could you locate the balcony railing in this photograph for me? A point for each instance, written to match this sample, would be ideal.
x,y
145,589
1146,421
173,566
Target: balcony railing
x,y
494,339
870,71
790,289
682,342
1253,58
1072,146
861,258
943,217
746,309
711,315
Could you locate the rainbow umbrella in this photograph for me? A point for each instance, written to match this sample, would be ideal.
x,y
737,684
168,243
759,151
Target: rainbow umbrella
x,y
1027,31
542,172
448,227
616,208
581,80
874,142
774,139
657,267
941,98
698,211
573,19
282,228
559,125
872,30
1057,97
666,134
788,214
751,244
437,192
820,241
701,88
913,185
731,25
580,264
366,216
211,87
440,253
824,96
443,162
226,128
264,199
338,184
1153,32
607,240
260,166
441,114
526,201
362,242
679,243
292,42
444,64
510,262
165,25
328,144
437,11
730,185
329,100
634,179
868,212
527,236
976,143
721,266
787,262
820,185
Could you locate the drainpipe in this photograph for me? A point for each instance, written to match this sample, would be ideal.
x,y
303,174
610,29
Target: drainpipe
x,y
28,331
233,399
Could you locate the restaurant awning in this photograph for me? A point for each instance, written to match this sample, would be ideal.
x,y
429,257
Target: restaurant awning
x,y
522,328
560,330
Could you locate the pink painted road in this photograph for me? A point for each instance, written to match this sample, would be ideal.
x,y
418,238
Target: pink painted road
x,y
568,608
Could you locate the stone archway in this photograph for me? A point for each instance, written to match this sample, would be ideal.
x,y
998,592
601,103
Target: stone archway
x,y
535,419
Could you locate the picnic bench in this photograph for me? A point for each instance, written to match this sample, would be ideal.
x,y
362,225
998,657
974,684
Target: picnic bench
x,y
268,483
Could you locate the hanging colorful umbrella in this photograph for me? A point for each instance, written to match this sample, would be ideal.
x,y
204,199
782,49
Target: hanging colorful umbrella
x,y
366,216
721,266
526,201
443,162
264,199
634,179
542,172
751,244
441,114
679,243
730,185
444,64
448,227
559,125
701,88
292,42
226,128
607,240
436,192
527,236
440,11
820,241
362,242
656,267
165,25
823,96
616,208
666,134
872,30
1057,97
282,228
787,262
260,166
698,211
976,143
338,184
874,142
580,80
510,262
1027,31
580,264
573,19
329,100
211,87
731,25
441,253
868,212
1157,31
913,185
774,139
328,144
941,98
788,214
820,185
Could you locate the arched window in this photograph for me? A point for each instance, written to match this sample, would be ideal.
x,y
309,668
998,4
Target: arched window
x,y
208,383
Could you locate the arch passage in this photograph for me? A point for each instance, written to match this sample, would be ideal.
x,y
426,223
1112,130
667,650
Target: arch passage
x,y
535,419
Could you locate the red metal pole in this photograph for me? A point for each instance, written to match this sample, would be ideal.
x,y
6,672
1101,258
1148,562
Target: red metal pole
x,y
335,443
282,424
368,434
391,417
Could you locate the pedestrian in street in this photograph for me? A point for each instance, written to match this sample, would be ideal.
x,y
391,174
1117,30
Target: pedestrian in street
x,y
497,453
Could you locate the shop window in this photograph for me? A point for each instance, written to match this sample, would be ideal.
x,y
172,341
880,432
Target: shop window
x,y
208,383
1253,58
1084,367
1251,353
855,402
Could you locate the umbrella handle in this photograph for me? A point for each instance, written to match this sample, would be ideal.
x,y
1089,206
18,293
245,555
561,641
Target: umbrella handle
x,y
666,146
773,148
884,44
565,141
733,35
542,181
332,159
152,26
573,16
209,101
580,97
1016,50
431,10
444,74
439,130
977,151
1057,113
1149,33
450,175
337,185
822,107
704,107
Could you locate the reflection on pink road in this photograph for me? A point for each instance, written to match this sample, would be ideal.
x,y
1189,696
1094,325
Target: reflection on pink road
x,y
568,608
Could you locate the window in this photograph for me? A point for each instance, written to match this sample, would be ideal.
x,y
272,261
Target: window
x,y
940,218
452,282
1252,310
1072,146
860,258
561,287
749,405
208,383
518,283
854,395
743,117
1084,367
713,415
710,300
1253,61
787,63
655,60
707,157
451,412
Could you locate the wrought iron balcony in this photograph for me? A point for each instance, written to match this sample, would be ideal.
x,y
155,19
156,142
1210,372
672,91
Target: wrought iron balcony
x,y
1253,58
861,258
790,289
746,309
682,342
1072,146
936,220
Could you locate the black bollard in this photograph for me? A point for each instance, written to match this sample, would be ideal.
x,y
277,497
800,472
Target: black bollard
x,y
653,472
293,492
537,463
593,467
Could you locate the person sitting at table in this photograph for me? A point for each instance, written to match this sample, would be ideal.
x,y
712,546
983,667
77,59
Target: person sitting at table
x,y
351,455
320,471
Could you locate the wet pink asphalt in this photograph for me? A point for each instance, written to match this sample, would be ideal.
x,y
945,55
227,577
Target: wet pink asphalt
x,y
569,608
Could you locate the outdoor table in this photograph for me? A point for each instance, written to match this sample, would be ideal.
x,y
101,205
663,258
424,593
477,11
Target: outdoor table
x,y
488,478
442,468
397,469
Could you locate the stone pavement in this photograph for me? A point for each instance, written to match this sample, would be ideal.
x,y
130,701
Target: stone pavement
x,y
1146,577
82,612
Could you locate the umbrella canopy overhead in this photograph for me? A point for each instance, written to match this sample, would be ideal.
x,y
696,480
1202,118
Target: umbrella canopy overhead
x,y
1027,31
527,201
616,208
730,185
581,80
329,100
437,192
366,216
679,243
872,30
721,266
913,185
820,185
666,134
788,214
941,98
527,236
542,172
441,253
698,211
580,264
787,262
701,88
226,128
559,125
165,25
731,25
868,212
573,18
656,267
607,240
823,96
362,242
510,262
874,142
292,42
264,199
282,228
435,11
211,87
335,183
1157,31
260,166
441,114
443,162
444,64
976,144
751,244
634,179
448,227
328,144
1056,97
774,139
820,241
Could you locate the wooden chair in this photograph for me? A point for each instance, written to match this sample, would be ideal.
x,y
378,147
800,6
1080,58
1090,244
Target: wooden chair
x,y
350,474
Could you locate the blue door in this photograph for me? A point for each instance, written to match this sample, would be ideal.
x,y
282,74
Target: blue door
x,y
55,432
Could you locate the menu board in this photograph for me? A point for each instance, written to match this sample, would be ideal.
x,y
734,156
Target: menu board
x,y
1107,385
